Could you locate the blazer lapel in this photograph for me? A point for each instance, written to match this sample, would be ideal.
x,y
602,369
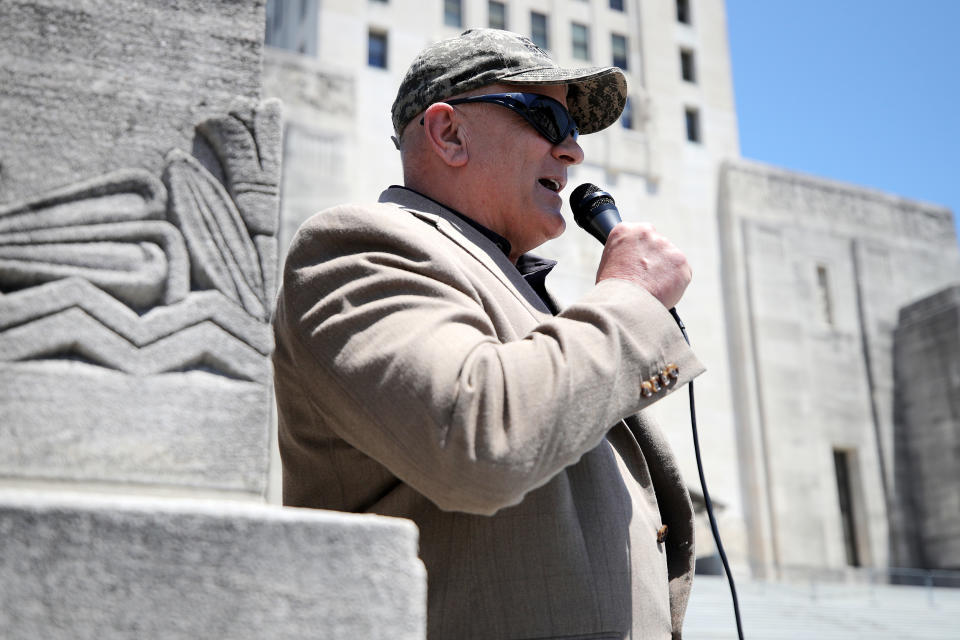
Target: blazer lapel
x,y
471,241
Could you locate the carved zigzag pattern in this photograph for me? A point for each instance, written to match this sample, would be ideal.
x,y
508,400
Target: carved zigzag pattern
x,y
27,305
73,331
73,316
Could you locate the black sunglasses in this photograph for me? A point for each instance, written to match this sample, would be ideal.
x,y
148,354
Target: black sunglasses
x,y
550,118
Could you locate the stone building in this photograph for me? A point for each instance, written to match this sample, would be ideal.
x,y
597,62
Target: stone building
x,y
815,274
798,280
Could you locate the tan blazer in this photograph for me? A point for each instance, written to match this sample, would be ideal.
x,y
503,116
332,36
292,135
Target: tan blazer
x,y
417,375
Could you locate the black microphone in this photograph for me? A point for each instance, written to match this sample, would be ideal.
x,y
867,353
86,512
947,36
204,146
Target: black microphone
x,y
594,210
596,213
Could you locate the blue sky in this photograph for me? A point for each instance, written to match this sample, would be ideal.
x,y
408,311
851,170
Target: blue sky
x,y
864,91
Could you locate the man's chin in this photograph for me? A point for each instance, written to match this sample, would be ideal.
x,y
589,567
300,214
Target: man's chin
x,y
560,228
556,229
561,223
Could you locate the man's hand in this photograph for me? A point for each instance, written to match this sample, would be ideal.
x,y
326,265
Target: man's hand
x,y
636,252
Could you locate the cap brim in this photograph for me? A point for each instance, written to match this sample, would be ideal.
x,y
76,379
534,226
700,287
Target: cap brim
x,y
597,96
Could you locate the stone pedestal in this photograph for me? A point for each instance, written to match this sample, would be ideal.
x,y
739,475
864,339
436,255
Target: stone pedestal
x,y
78,566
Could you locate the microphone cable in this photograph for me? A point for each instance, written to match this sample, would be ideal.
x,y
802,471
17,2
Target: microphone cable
x,y
706,494
596,212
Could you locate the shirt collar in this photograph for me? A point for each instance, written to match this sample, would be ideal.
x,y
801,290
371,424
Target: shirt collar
x,y
502,243
528,264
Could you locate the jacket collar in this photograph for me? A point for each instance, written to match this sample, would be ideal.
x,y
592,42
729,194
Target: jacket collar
x,y
470,239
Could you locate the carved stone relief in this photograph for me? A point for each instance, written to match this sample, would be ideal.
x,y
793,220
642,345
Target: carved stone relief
x,y
134,311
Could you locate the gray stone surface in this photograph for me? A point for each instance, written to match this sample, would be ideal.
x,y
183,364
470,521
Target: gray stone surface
x,y
139,182
927,422
134,336
69,420
91,87
813,354
138,250
77,567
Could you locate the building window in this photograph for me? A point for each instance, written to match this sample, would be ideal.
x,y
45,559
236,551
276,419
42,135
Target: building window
x,y
538,30
497,12
581,41
683,11
291,25
688,70
377,49
692,117
823,290
453,13
841,463
619,46
274,24
626,118
616,5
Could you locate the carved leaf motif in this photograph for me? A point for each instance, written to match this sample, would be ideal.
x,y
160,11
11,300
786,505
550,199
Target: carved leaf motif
x,y
222,254
108,230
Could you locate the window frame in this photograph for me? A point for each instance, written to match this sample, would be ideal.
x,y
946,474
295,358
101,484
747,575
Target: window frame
x,y
627,117
614,37
503,8
575,28
453,19
535,17
688,65
378,35
693,124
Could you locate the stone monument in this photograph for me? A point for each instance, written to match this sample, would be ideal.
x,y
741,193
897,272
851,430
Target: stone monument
x,y
139,184
134,330
138,219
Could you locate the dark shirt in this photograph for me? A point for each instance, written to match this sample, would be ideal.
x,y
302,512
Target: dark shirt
x,y
533,268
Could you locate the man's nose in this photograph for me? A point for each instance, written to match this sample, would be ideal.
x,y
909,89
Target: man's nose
x,y
568,151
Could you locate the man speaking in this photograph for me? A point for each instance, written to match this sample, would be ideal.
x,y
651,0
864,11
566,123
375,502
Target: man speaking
x,y
423,371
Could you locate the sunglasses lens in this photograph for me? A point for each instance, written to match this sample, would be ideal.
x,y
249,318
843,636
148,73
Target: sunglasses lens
x,y
546,122
551,120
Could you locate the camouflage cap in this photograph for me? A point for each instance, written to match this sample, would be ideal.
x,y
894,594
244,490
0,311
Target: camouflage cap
x,y
480,57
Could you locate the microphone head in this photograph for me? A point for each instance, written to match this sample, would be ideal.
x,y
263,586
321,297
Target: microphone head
x,y
586,200
576,198
594,210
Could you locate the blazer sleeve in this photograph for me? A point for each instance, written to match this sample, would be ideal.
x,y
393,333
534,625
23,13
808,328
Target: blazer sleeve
x,y
393,347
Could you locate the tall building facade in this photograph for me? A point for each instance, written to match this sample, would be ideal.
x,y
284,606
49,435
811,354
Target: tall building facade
x,y
673,160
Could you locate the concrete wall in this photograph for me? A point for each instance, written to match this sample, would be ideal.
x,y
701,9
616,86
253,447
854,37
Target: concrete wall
x,y
90,87
927,430
808,380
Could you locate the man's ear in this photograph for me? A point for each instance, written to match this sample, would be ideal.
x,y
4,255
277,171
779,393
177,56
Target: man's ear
x,y
442,127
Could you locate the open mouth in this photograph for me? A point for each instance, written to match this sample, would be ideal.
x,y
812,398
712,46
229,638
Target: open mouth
x,y
551,184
